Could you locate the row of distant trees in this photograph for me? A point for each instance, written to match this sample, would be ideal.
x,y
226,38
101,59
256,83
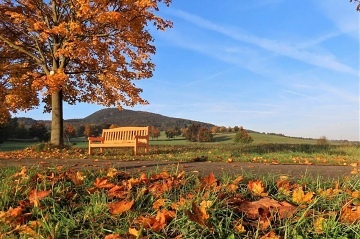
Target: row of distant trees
x,y
194,132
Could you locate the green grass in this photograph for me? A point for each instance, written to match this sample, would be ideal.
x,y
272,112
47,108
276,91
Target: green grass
x,y
83,211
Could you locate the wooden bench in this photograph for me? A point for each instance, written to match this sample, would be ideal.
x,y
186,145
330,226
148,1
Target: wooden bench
x,y
121,137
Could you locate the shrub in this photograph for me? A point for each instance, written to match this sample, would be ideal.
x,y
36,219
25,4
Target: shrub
x,y
39,130
242,136
197,133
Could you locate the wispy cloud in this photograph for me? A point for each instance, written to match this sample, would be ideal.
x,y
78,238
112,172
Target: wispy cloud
x,y
300,94
327,61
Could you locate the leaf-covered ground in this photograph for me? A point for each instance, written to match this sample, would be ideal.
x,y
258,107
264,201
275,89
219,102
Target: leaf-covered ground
x,y
115,204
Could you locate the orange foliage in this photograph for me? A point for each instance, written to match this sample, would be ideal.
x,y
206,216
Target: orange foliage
x,y
83,50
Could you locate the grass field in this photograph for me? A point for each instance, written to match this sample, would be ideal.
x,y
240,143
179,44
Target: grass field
x,y
51,203
265,149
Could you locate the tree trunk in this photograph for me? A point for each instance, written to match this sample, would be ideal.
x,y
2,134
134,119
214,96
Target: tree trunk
x,y
57,119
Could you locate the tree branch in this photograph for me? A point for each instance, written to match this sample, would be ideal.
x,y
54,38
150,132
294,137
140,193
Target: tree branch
x,y
21,49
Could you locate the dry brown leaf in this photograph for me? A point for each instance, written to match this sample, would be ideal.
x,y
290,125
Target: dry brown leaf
x,y
159,203
134,232
118,192
103,183
238,180
300,197
199,214
77,178
262,212
113,236
350,213
354,171
209,181
158,188
318,224
270,235
35,196
21,174
283,186
156,223
120,207
257,188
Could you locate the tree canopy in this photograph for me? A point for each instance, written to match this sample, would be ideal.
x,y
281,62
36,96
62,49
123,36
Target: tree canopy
x,y
75,51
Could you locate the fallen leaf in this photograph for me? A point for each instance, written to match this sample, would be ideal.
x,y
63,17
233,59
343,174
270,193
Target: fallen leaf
x,y
270,235
354,171
77,178
134,232
239,227
159,203
120,207
257,188
103,183
350,213
209,181
21,174
156,223
318,225
199,214
300,197
113,236
35,196
283,186
262,212
238,180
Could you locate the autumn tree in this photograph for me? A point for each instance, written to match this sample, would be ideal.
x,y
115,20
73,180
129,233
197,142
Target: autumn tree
x,y
197,133
242,136
69,132
215,129
358,4
40,131
92,51
154,132
172,132
92,130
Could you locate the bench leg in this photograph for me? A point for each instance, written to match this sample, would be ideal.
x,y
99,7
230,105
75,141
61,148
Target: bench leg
x,y
90,150
135,150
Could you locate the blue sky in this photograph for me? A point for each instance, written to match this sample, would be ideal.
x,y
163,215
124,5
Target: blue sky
x,y
279,66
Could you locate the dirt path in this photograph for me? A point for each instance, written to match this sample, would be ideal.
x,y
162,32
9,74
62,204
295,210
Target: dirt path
x,y
201,168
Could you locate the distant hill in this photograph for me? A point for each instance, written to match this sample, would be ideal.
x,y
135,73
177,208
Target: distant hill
x,y
135,118
123,118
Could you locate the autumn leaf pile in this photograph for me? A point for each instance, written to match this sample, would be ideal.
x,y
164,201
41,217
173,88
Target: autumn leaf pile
x,y
115,204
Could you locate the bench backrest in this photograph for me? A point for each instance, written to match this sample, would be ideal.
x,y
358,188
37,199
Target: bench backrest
x,y
124,134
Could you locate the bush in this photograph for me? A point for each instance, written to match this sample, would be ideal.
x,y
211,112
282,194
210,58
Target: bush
x,y
39,130
197,133
242,136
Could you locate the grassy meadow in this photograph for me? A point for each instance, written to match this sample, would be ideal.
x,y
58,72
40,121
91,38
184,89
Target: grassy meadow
x,y
265,149
59,202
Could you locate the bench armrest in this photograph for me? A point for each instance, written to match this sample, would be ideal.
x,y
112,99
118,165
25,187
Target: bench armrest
x,y
146,137
95,139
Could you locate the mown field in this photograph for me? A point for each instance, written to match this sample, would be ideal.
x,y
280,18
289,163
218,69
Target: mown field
x,y
265,149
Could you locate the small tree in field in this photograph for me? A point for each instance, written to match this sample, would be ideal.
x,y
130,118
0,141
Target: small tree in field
x,y
242,136
39,130
205,135
92,130
215,129
197,133
172,132
154,132
91,51
69,132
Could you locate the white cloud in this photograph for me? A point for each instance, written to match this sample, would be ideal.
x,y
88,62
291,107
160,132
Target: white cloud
x,y
326,61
